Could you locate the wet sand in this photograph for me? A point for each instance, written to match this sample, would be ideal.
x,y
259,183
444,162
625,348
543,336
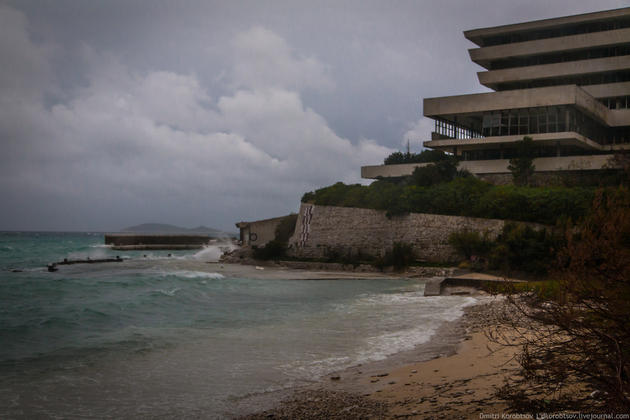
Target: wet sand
x,y
461,381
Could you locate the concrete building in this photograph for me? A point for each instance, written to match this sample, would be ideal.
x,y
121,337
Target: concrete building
x,y
565,82
259,232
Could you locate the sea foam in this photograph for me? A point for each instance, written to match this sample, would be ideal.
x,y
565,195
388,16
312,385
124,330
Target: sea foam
x,y
192,274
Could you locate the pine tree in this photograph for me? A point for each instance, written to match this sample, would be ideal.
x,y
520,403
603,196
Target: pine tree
x,y
521,166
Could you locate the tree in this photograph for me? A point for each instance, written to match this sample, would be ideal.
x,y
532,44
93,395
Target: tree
x,y
521,165
577,331
621,160
422,157
435,173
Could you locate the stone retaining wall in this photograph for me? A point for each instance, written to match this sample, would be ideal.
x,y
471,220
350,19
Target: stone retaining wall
x,y
323,230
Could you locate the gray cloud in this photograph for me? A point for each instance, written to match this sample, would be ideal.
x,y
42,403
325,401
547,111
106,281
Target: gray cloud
x,y
115,113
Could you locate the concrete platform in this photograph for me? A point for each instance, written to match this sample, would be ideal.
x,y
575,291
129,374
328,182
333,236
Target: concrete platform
x,y
462,284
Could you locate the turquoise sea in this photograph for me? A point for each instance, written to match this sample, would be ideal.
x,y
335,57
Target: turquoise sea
x,y
161,335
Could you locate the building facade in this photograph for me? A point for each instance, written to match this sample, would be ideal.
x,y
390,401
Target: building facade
x,y
564,82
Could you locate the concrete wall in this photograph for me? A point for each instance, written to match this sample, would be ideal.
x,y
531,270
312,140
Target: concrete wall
x,y
322,229
499,166
386,171
259,232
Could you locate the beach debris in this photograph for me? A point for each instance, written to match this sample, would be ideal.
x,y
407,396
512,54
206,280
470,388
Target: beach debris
x,y
381,375
391,382
374,380
414,371
597,394
335,378
259,267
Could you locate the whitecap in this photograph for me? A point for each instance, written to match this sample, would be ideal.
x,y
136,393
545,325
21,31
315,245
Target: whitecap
x,y
213,252
193,274
169,292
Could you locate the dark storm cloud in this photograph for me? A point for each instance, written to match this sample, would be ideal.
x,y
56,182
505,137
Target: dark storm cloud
x,y
119,112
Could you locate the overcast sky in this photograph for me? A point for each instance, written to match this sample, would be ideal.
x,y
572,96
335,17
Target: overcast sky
x,y
119,112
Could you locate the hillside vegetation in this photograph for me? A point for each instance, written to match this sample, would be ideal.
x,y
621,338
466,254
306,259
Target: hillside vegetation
x,y
462,196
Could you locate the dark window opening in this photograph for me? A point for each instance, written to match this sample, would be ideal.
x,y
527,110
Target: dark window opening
x,y
580,80
565,56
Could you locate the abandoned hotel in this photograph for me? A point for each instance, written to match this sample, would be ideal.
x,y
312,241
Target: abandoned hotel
x,y
564,82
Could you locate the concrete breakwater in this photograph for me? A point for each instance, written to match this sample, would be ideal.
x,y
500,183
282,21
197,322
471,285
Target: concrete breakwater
x,y
126,241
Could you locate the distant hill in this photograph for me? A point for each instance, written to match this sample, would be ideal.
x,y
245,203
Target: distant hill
x,y
164,228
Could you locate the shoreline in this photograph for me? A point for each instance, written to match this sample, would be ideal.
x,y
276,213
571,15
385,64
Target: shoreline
x,y
389,382
455,374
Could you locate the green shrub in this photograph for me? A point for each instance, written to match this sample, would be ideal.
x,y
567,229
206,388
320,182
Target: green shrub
x,y
400,256
435,173
272,250
471,243
522,166
276,248
285,228
522,248
422,157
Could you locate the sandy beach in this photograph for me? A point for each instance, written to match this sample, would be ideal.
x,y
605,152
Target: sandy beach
x,y
461,382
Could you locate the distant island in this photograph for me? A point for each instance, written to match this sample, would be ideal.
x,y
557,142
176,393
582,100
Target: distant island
x,y
160,228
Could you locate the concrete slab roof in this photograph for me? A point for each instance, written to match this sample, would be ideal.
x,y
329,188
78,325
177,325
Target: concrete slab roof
x,y
478,103
485,55
567,138
477,35
493,78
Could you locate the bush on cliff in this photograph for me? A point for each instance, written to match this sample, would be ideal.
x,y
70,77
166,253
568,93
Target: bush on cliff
x,y
463,196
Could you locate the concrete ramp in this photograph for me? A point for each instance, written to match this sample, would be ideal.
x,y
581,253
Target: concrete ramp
x,y
441,286
433,287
